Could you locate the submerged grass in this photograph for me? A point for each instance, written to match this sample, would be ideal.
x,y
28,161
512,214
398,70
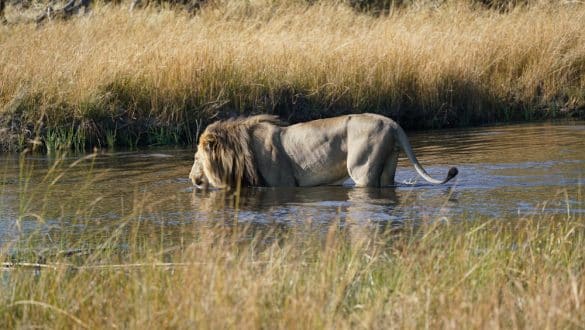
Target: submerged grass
x,y
148,77
134,273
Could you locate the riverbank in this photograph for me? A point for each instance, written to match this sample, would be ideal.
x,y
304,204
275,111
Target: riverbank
x,y
119,78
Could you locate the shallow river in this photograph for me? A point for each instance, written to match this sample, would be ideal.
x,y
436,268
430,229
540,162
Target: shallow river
x,y
506,172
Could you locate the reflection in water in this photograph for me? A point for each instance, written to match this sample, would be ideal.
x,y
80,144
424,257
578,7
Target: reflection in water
x,y
298,206
504,172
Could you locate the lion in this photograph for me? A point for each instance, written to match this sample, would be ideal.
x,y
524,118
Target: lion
x,y
261,150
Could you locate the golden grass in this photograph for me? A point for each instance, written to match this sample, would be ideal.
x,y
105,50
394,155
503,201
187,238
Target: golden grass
x,y
139,273
453,64
483,274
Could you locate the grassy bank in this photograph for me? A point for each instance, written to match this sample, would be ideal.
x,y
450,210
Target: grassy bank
x,y
473,275
153,76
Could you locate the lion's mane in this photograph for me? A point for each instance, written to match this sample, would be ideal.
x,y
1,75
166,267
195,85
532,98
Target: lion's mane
x,y
228,148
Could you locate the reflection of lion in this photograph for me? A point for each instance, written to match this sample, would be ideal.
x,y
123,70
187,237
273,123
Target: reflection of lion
x,y
261,151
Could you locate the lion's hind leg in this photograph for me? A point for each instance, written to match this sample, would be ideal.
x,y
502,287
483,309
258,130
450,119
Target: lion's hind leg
x,y
364,176
389,172
365,161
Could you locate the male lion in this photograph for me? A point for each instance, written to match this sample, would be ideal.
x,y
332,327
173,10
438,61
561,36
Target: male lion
x,y
262,151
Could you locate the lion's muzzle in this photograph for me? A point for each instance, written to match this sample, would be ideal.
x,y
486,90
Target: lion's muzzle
x,y
200,182
198,177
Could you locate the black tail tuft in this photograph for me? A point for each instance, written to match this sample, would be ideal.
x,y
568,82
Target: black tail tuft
x,y
453,171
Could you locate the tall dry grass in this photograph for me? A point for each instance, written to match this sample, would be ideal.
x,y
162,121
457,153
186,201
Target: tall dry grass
x,y
140,271
483,274
425,65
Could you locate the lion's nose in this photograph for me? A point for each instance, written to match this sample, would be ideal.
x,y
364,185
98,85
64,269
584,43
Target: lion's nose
x,y
201,183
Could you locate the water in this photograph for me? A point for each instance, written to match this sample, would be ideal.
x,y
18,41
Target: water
x,y
506,172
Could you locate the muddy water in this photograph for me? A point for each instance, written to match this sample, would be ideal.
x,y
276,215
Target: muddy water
x,y
506,172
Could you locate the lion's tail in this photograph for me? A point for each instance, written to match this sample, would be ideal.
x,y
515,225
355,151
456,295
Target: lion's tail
x,y
405,144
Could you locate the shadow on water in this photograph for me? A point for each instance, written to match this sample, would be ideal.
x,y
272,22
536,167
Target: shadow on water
x,y
505,173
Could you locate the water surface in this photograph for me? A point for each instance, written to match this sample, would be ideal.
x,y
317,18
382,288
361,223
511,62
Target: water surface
x,y
506,172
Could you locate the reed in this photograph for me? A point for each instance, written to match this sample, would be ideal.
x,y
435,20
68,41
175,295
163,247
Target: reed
x,y
475,274
426,64
144,272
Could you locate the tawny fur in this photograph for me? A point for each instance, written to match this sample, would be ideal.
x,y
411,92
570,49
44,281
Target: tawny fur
x,y
261,151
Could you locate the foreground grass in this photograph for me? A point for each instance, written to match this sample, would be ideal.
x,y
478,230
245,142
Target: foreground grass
x,y
529,274
134,272
153,76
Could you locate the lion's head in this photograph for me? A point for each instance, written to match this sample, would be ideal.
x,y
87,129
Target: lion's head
x,y
224,155
197,174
